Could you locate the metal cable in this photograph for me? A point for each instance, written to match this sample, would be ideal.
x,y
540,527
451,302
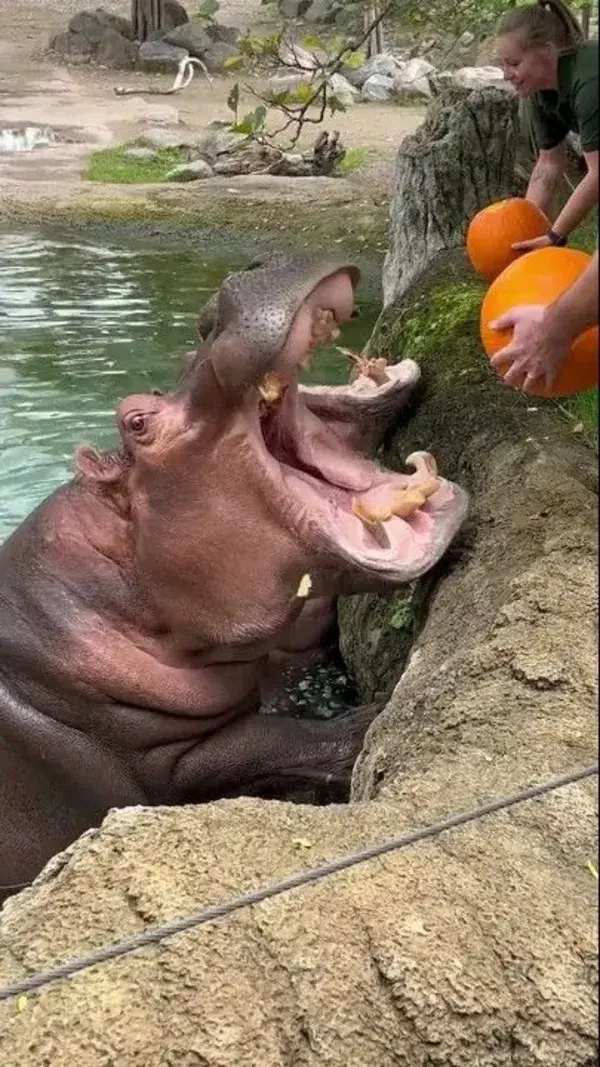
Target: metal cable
x,y
301,878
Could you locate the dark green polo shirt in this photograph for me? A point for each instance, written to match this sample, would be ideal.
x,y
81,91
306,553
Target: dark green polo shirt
x,y
574,106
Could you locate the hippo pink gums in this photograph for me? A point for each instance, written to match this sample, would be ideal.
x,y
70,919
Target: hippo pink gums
x,y
142,600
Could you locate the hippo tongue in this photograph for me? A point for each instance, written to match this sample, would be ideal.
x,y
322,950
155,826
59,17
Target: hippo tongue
x,y
318,448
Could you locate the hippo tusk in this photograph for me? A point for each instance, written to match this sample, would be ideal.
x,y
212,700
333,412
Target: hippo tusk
x,y
423,462
305,587
409,500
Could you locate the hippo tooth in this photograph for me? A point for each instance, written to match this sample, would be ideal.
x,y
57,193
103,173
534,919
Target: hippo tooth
x,y
423,462
271,387
401,505
305,586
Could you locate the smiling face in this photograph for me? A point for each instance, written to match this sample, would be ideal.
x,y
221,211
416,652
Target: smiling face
x,y
528,70
243,501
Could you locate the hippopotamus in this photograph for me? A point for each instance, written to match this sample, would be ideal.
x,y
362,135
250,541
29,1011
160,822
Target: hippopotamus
x,y
143,599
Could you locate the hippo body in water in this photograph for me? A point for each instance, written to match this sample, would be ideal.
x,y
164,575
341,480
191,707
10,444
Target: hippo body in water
x,y
140,603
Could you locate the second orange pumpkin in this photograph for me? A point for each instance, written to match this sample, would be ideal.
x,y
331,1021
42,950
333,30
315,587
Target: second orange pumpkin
x,y
498,226
541,277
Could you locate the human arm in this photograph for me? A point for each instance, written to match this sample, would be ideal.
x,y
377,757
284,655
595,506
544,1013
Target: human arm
x,y
546,175
543,335
580,203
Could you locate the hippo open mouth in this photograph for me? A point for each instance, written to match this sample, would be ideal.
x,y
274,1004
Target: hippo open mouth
x,y
389,524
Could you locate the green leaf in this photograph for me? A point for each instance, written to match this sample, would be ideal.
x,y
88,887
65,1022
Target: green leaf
x,y
258,118
313,42
336,45
206,9
334,104
234,98
302,93
250,46
243,126
282,97
233,63
272,43
354,60
252,123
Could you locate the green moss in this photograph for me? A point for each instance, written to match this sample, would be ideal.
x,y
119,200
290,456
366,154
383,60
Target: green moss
x,y
583,408
403,617
354,159
437,319
377,634
114,167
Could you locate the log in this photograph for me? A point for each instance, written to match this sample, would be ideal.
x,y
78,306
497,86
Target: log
x,y
460,159
478,947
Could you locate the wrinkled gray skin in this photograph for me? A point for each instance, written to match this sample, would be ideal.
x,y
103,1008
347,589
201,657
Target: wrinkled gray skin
x,y
141,603
361,420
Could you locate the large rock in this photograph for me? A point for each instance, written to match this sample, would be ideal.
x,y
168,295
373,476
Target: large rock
x,y
322,11
377,87
98,35
160,56
190,172
116,51
293,9
479,77
174,15
90,24
343,90
72,47
215,56
384,64
413,78
115,22
218,32
217,140
190,36
435,195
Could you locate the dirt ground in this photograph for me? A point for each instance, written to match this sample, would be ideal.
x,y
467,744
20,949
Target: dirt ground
x,y
34,89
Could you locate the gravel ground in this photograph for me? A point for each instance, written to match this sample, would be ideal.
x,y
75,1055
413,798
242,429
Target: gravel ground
x,y
26,26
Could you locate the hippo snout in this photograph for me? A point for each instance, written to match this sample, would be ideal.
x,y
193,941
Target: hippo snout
x,y
270,318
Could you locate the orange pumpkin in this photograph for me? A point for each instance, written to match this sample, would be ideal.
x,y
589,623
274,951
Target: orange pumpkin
x,y
498,226
541,277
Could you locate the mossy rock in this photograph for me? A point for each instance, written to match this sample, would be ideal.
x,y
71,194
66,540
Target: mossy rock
x,y
459,402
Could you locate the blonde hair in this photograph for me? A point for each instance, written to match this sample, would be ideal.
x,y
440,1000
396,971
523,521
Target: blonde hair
x,y
543,23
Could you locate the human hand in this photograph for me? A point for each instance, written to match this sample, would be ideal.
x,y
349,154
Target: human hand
x,y
534,352
533,243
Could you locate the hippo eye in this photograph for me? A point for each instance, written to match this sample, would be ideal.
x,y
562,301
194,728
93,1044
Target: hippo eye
x,y
137,423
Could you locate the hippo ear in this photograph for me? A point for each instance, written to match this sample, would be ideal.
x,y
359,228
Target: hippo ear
x,y
105,467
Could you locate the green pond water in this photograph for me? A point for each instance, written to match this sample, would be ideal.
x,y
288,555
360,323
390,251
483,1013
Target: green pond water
x,y
86,321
